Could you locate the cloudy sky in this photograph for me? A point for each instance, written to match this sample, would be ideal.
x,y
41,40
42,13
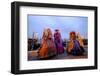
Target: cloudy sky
x,y
66,24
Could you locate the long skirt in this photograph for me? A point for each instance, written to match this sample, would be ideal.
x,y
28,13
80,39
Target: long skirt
x,y
48,49
76,49
60,48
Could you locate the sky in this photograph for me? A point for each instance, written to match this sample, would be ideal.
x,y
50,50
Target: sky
x,y
65,24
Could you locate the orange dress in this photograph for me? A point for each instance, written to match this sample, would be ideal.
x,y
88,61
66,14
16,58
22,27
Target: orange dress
x,y
47,48
43,51
70,46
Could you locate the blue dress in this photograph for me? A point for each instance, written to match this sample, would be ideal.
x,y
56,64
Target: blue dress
x,y
77,49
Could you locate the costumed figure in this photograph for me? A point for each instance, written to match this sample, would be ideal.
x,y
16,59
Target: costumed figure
x,y
48,48
58,42
74,46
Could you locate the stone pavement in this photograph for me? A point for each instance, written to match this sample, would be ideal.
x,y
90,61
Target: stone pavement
x,y
33,55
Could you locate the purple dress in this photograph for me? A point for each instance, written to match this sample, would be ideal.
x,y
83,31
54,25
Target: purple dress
x,y
58,42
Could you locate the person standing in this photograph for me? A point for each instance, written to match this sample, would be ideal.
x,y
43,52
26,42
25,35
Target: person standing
x,y
74,47
58,42
48,48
